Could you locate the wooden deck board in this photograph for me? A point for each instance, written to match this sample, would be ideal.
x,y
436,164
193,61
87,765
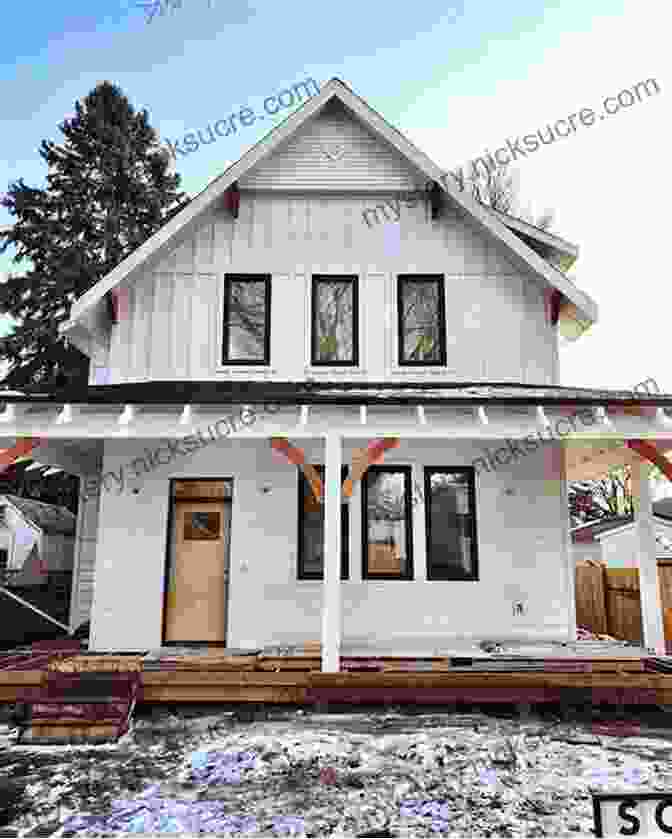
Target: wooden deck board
x,y
286,679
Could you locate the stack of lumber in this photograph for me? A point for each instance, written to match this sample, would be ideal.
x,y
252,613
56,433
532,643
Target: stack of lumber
x,y
80,706
288,663
210,661
97,664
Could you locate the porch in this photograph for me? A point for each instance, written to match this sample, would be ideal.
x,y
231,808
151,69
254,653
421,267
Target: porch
x,y
524,590
578,673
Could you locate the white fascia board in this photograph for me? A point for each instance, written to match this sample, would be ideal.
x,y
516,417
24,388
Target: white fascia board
x,y
658,521
185,223
533,232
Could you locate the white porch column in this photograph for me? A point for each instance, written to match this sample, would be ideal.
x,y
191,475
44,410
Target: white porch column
x,y
649,592
331,603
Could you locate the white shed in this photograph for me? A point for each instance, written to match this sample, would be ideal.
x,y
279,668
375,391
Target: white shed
x,y
44,532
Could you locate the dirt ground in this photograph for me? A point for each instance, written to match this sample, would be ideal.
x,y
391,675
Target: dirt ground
x,y
379,772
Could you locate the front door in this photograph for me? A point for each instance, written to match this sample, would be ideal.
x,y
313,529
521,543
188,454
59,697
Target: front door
x,y
198,571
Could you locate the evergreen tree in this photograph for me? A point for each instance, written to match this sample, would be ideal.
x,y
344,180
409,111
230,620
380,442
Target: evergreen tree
x,y
108,190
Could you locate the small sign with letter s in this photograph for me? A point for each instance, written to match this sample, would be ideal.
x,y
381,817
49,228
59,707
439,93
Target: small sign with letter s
x,y
633,814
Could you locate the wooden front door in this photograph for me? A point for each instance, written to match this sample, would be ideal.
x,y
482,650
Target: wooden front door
x,y
198,572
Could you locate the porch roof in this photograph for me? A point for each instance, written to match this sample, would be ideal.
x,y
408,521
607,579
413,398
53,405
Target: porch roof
x,y
334,393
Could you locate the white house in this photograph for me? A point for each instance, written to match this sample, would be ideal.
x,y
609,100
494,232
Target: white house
x,y
271,301
46,531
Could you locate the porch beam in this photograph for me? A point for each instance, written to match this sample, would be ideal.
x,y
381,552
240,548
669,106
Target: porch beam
x,y
331,603
649,590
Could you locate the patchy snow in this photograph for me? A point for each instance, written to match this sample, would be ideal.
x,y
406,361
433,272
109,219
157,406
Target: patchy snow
x,y
321,774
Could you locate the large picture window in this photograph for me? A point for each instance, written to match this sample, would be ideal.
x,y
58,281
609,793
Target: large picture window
x,y
386,523
334,321
450,508
247,319
311,531
421,320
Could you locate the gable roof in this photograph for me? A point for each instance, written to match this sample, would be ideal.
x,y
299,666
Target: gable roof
x,y
85,326
48,517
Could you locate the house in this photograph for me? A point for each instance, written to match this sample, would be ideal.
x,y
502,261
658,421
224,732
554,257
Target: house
x,y
36,539
279,375
614,541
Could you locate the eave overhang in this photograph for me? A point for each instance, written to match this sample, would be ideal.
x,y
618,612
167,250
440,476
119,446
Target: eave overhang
x,y
466,410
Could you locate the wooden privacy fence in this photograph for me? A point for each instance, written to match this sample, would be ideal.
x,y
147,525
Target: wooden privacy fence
x,y
607,599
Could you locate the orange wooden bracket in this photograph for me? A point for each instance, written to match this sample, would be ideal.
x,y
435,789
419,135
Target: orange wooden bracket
x,y
648,451
297,457
23,446
363,458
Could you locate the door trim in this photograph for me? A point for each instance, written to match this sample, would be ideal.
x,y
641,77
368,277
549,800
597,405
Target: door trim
x,y
167,558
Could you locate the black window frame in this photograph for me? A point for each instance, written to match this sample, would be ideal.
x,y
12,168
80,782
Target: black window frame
x,y
470,471
334,278
229,279
408,471
301,573
443,355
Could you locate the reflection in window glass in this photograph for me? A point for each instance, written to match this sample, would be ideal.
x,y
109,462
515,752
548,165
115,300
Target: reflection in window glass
x,y
311,531
421,321
451,529
387,522
246,320
334,321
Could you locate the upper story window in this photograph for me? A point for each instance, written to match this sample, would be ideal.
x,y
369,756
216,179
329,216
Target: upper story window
x,y
334,320
247,319
450,508
422,320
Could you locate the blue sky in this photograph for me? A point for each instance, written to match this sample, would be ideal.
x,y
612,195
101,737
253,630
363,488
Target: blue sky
x,y
455,77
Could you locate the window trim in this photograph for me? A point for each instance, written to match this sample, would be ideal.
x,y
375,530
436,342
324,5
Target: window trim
x,y
470,471
316,279
301,573
408,471
229,279
443,356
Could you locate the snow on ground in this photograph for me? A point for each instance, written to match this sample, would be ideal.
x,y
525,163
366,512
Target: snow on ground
x,y
289,771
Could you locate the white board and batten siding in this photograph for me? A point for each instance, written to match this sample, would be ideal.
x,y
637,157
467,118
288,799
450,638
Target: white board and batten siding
x,y
267,603
301,214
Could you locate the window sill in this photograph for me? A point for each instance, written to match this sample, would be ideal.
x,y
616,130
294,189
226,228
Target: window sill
x,y
327,370
245,370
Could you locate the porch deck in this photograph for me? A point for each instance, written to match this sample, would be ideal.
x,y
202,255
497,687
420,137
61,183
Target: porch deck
x,y
579,673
